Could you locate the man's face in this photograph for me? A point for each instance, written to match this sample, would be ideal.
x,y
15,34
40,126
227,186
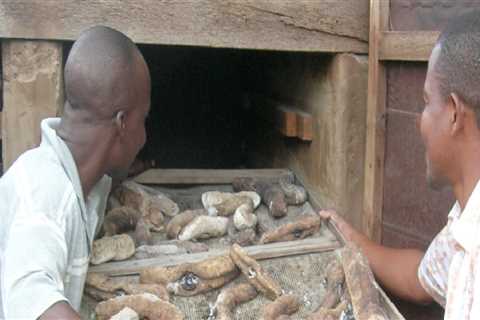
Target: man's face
x,y
135,128
434,126
134,137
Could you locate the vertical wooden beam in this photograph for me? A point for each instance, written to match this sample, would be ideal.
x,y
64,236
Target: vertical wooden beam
x,y
32,91
375,143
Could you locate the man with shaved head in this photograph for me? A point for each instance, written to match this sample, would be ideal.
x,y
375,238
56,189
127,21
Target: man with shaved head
x,y
449,272
53,197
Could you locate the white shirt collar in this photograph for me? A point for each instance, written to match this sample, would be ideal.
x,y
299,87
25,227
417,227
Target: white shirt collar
x,y
466,224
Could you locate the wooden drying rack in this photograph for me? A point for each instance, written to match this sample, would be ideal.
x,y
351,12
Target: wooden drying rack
x,y
213,176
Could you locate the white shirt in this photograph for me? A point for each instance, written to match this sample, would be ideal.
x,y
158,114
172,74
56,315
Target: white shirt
x,y
450,269
46,229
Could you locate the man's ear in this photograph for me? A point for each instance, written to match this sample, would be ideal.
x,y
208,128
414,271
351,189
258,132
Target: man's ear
x,y
120,123
457,113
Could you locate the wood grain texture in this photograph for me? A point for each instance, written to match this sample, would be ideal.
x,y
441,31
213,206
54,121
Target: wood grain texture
x,y
32,91
407,46
294,25
259,252
208,176
375,143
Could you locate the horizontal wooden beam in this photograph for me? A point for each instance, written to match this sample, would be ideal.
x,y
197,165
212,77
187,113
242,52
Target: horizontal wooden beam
x,y
208,176
259,252
293,25
407,45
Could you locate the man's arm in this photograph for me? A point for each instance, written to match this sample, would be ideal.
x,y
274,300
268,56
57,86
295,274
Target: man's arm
x,y
395,269
34,267
60,310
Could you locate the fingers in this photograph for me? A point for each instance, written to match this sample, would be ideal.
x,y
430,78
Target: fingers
x,y
333,216
327,213
343,227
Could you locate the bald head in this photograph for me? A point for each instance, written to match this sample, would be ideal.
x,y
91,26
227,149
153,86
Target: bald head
x,y
101,71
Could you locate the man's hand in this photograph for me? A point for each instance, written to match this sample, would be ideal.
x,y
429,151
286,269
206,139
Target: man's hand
x,y
395,269
347,231
60,310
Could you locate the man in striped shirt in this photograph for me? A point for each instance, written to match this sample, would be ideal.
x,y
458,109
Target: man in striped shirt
x,y
52,199
449,272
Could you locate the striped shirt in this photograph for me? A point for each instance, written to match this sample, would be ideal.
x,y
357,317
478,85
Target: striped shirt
x,y
450,269
47,228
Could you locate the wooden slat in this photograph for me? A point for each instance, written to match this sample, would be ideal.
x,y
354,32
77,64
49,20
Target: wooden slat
x,y
290,121
407,46
207,176
304,126
259,252
375,134
294,123
287,122
294,25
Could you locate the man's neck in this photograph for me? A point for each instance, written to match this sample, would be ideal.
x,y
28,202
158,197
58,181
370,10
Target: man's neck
x,y
89,146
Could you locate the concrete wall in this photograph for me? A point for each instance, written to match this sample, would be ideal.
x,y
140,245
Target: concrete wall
x,y
32,91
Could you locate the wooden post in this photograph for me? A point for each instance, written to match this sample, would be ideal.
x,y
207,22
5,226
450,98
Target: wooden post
x,y
375,143
32,91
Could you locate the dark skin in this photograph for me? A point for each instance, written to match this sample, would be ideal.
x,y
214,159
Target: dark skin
x,y
447,123
106,141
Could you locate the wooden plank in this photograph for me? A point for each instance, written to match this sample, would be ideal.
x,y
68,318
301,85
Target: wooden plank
x,y
259,252
407,45
304,126
375,134
293,25
207,176
32,91
286,122
289,120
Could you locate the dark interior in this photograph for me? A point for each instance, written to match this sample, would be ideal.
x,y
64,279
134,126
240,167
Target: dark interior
x,y
197,117
202,115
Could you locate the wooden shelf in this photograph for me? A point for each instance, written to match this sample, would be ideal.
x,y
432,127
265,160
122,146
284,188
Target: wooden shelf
x,y
207,176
